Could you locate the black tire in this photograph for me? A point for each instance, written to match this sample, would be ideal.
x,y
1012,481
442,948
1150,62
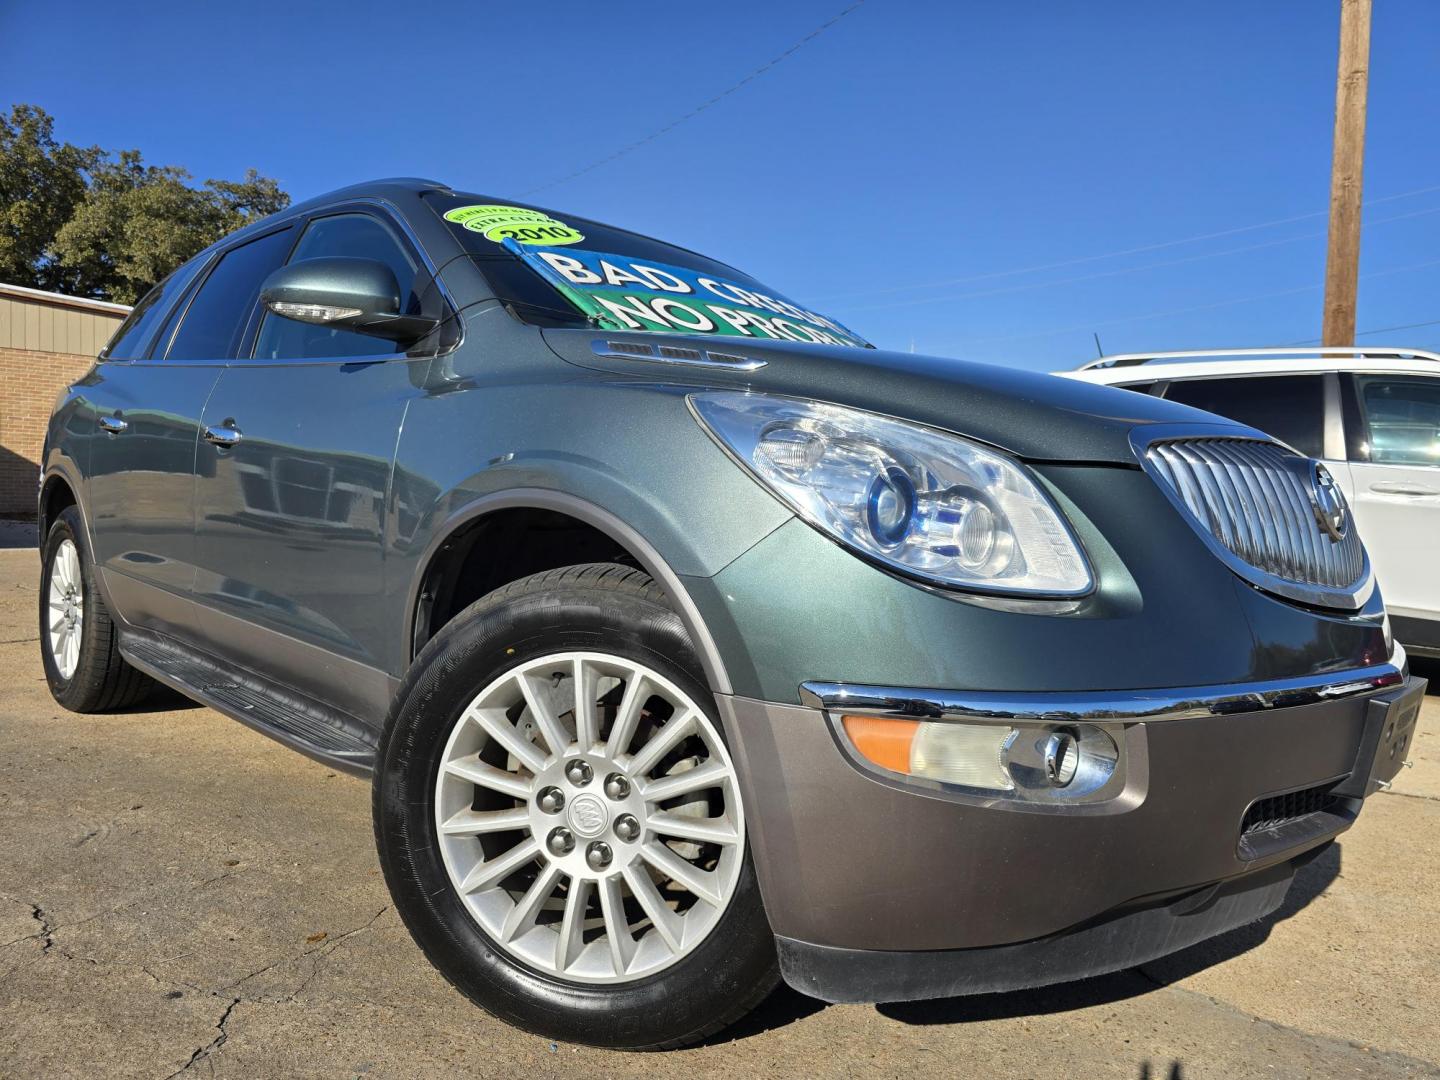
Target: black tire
x,y
102,680
601,607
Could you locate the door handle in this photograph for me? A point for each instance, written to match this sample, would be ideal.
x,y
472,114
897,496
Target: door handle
x,y
1388,487
224,436
113,425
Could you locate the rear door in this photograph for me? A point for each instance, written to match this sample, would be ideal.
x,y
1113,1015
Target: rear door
x,y
140,480
292,499
1395,475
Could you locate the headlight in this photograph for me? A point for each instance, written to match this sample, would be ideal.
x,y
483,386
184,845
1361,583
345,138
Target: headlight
x,y
928,504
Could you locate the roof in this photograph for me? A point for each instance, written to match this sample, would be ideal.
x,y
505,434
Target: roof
x,y
1209,364
40,296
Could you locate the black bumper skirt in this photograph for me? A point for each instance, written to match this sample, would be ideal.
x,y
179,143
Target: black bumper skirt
x,y
1121,941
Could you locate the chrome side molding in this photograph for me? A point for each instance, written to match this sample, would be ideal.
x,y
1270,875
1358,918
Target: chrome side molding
x,y
675,354
1150,705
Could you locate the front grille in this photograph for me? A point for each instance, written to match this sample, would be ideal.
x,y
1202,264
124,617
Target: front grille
x,y
1280,810
1255,501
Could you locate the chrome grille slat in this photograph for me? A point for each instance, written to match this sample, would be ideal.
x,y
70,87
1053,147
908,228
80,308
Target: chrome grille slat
x,y
1252,499
1270,545
1290,556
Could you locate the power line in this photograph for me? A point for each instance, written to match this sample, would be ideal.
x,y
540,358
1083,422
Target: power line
x,y
1377,330
1079,260
1198,307
761,70
950,297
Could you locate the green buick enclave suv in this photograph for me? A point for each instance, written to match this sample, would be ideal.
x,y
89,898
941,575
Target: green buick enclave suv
x,y
691,642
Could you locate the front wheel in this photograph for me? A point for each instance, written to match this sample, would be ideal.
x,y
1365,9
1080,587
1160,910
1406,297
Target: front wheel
x,y
560,823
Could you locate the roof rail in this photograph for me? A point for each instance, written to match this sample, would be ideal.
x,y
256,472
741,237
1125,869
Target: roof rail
x,y
1136,359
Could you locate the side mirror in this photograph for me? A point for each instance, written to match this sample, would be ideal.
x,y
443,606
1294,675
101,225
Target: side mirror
x,y
350,294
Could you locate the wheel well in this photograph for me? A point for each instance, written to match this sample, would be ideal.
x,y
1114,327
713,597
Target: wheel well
x,y
54,498
501,547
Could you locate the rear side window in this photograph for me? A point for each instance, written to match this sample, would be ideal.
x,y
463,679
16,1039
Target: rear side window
x,y
216,318
1402,417
132,340
1139,387
355,236
1289,407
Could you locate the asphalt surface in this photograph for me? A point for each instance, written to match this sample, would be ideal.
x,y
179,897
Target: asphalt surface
x,y
180,896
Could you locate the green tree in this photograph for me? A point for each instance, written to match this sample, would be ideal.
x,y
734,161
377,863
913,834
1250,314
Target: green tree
x,y
41,183
107,225
138,222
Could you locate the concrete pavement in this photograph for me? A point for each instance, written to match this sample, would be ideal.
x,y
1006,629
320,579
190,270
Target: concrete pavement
x,y
181,896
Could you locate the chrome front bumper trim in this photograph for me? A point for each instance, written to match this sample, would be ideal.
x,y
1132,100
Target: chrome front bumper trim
x,y
1097,706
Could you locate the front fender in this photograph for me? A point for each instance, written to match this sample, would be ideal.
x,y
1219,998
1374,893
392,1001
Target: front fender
x,y
626,458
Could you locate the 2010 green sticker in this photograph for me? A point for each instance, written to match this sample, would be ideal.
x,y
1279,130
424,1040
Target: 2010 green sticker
x,y
499,223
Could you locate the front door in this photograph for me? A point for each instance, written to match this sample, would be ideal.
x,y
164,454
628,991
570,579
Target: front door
x,y
1395,482
293,492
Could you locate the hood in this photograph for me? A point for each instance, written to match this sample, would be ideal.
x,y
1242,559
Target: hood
x,y
1035,416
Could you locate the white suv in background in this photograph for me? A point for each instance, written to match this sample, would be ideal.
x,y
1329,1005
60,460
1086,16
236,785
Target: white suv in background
x,y
1372,415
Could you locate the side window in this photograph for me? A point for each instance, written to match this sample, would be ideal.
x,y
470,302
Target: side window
x,y
355,236
1138,387
1289,407
215,321
1402,416
132,340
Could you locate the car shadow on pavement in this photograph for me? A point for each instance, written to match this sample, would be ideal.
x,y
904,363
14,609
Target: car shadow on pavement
x,y
1310,881
1427,668
782,1008
160,700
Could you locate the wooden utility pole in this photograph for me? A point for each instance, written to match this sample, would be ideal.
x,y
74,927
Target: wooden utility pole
x,y
1342,260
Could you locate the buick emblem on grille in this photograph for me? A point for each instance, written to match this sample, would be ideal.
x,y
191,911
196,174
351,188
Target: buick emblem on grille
x,y
1329,504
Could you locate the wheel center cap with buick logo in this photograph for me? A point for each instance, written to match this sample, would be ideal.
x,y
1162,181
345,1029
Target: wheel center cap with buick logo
x,y
1329,504
588,815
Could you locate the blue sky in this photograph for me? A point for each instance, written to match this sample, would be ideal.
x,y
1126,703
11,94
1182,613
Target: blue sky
x,y
989,181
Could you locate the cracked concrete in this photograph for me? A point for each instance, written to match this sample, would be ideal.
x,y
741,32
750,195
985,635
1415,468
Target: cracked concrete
x,y
203,1052
181,897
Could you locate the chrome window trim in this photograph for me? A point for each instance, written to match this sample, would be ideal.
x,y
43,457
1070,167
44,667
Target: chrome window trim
x,y
1352,597
1185,703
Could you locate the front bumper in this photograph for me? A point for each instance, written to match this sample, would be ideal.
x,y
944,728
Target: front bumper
x,y
878,890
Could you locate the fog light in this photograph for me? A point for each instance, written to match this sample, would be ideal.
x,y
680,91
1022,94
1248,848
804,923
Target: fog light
x,y
1062,758
1033,762
971,755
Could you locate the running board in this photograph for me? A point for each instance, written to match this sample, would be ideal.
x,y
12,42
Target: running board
x,y
316,730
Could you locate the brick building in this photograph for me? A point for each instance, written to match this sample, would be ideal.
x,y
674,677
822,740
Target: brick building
x,y
47,341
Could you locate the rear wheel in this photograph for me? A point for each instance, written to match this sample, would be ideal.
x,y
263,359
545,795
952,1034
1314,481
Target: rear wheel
x,y
559,818
78,639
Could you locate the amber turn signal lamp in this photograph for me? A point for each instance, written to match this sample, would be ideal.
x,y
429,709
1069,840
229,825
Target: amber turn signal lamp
x,y
882,742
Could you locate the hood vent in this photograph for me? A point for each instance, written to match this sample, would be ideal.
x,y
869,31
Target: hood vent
x,y
675,354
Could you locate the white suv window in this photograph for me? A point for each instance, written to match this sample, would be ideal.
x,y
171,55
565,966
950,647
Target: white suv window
x,y
1403,418
1289,407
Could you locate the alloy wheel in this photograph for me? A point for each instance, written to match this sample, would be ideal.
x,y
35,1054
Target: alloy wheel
x,y
588,815
66,608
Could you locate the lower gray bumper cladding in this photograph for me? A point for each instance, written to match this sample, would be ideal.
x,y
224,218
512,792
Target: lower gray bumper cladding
x,y
1113,944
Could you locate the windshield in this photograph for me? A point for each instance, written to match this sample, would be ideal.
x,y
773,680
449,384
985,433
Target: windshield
x,y
560,270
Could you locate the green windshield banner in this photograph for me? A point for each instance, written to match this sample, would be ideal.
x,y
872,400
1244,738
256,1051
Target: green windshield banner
x,y
621,293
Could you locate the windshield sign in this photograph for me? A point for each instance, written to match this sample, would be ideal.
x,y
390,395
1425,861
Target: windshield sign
x,y
629,292
625,294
